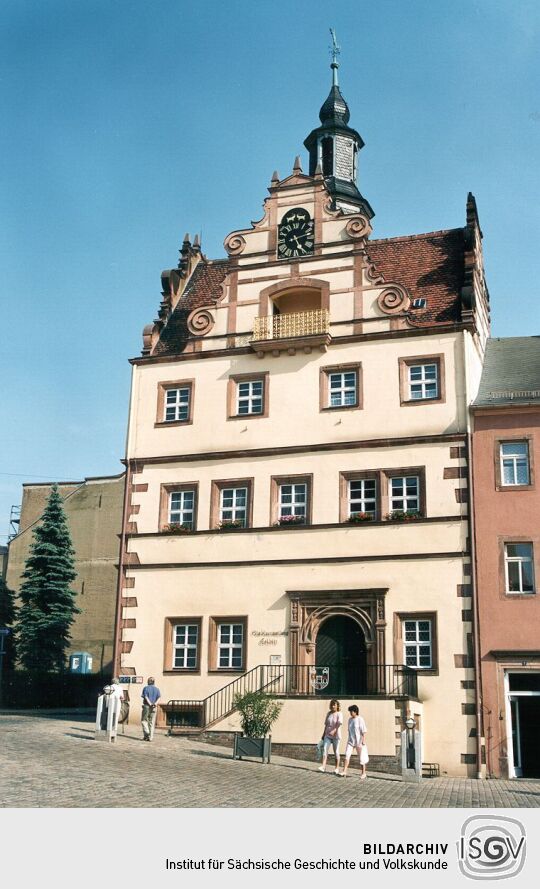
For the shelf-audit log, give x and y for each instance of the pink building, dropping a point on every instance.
(506, 452)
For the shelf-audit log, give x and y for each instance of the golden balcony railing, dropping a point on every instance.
(292, 326)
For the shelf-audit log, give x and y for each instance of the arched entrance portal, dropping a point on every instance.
(341, 646)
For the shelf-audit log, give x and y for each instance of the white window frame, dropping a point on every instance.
(344, 389)
(419, 388)
(250, 398)
(515, 461)
(180, 404)
(237, 512)
(230, 648)
(299, 501)
(400, 503)
(185, 515)
(519, 561)
(183, 650)
(362, 502)
(414, 645)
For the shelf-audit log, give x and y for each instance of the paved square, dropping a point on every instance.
(48, 761)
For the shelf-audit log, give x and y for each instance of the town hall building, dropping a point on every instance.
(297, 470)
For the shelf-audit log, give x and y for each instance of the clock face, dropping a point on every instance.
(295, 234)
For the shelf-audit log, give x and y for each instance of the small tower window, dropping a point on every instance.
(328, 156)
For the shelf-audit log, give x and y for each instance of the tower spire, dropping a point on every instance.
(335, 51)
(334, 146)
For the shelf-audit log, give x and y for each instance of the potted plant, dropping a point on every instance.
(230, 524)
(356, 518)
(258, 712)
(177, 528)
(400, 515)
(292, 520)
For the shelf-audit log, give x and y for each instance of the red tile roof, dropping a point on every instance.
(203, 289)
(430, 266)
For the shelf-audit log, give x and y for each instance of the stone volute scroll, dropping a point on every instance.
(394, 300)
(358, 228)
(200, 321)
(234, 244)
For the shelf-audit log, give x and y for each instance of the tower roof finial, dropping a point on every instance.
(335, 50)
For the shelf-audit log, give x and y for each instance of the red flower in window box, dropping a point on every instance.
(356, 518)
(292, 520)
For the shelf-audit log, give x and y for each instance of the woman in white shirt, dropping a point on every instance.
(356, 740)
(332, 734)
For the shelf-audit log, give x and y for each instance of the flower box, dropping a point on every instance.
(398, 515)
(356, 518)
(286, 520)
(230, 525)
(177, 528)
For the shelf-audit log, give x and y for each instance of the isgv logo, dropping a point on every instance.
(491, 847)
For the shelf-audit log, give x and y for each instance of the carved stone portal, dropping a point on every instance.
(310, 609)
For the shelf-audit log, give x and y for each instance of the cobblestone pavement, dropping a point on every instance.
(54, 761)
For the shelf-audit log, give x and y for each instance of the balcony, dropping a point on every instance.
(292, 332)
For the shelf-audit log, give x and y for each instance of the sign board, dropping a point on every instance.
(4, 631)
(275, 659)
(137, 679)
(124, 679)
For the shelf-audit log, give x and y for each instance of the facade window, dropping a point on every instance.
(340, 387)
(182, 508)
(362, 496)
(514, 456)
(418, 644)
(247, 396)
(250, 397)
(293, 501)
(186, 646)
(230, 645)
(423, 381)
(182, 644)
(178, 507)
(372, 494)
(233, 504)
(175, 402)
(519, 570)
(404, 493)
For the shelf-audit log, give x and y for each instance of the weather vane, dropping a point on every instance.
(335, 50)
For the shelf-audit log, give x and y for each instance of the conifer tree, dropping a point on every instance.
(8, 613)
(47, 603)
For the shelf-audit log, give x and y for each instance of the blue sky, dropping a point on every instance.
(128, 123)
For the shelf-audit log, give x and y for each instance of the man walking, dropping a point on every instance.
(150, 696)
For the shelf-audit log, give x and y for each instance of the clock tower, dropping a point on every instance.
(334, 147)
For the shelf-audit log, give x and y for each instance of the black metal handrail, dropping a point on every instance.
(291, 680)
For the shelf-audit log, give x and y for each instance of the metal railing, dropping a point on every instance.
(291, 680)
(295, 324)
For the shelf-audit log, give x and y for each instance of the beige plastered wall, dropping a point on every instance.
(294, 399)
(259, 592)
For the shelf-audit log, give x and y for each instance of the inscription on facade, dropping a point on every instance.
(344, 158)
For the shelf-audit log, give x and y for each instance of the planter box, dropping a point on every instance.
(259, 747)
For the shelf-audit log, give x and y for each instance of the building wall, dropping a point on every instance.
(94, 513)
(268, 575)
(508, 622)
